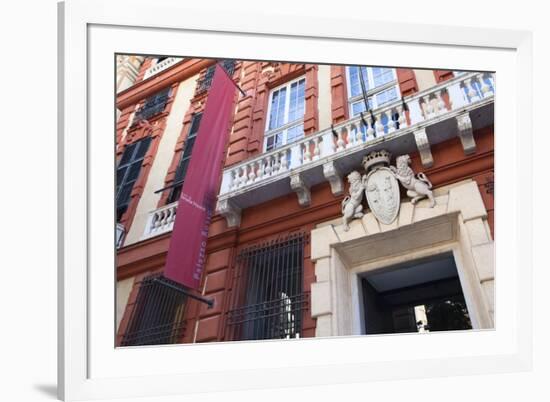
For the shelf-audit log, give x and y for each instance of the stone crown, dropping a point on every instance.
(376, 158)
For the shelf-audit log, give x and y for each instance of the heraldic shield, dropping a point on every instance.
(382, 191)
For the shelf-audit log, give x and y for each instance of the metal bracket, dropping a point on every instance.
(209, 302)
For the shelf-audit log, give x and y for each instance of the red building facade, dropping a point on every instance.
(295, 136)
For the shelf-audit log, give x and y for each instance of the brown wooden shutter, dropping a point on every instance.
(443, 75)
(407, 81)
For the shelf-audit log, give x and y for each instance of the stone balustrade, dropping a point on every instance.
(160, 220)
(163, 65)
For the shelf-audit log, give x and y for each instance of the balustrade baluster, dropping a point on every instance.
(370, 128)
(295, 156)
(391, 123)
(235, 178)
(242, 176)
(231, 179)
(401, 118)
(260, 170)
(349, 140)
(358, 133)
(379, 126)
(251, 173)
(156, 222)
(268, 168)
(327, 144)
(457, 99)
(470, 90)
(428, 107)
(277, 163)
(485, 88)
(440, 103)
(171, 215)
(284, 160)
(316, 148)
(163, 216)
(340, 143)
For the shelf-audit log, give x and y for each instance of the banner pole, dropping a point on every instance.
(209, 302)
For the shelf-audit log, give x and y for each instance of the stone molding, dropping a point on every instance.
(456, 224)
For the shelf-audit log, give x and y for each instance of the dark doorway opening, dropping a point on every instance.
(419, 296)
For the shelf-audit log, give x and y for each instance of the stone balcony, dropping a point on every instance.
(163, 65)
(160, 220)
(453, 108)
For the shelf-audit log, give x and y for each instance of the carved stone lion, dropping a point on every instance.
(351, 205)
(418, 186)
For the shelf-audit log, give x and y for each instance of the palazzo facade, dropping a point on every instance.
(281, 263)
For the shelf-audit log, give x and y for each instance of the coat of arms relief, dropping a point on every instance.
(380, 186)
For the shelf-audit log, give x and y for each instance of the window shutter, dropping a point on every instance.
(195, 123)
(128, 171)
(183, 164)
(407, 81)
(443, 75)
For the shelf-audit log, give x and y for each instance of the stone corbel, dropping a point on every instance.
(230, 212)
(334, 177)
(423, 145)
(465, 133)
(301, 189)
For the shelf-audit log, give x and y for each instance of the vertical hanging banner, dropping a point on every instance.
(187, 250)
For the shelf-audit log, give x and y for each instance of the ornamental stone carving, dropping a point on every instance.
(418, 186)
(381, 187)
(352, 206)
(380, 184)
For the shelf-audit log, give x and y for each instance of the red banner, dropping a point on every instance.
(187, 250)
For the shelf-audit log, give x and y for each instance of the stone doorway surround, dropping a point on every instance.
(457, 225)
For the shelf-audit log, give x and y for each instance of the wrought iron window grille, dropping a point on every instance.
(268, 297)
(158, 314)
(205, 83)
(153, 106)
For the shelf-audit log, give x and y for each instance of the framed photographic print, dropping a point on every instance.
(283, 206)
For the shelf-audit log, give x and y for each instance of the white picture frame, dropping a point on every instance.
(89, 365)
